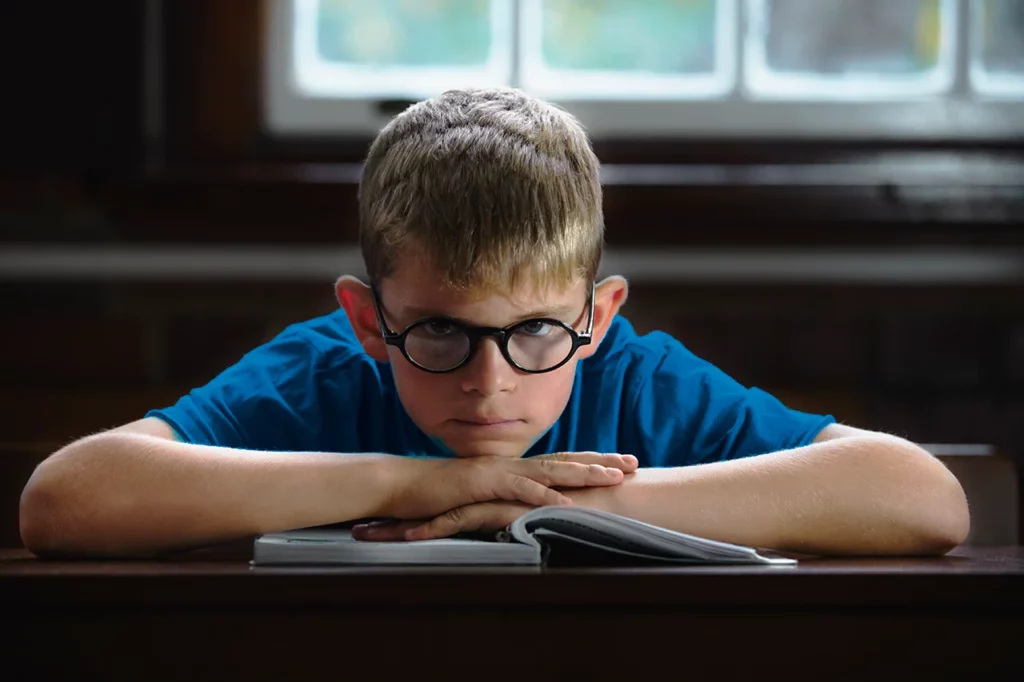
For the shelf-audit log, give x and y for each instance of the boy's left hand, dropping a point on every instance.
(482, 516)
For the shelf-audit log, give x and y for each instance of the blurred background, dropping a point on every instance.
(822, 197)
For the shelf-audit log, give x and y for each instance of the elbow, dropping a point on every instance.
(40, 510)
(952, 518)
(941, 519)
(56, 504)
(912, 506)
(78, 503)
(946, 529)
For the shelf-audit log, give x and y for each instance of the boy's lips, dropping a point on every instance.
(479, 421)
(486, 421)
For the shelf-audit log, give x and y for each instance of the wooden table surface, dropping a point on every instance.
(990, 577)
(209, 615)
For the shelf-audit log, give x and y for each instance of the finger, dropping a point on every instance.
(599, 475)
(451, 522)
(555, 473)
(382, 531)
(473, 517)
(373, 524)
(625, 463)
(516, 488)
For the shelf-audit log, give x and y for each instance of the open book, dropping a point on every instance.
(530, 540)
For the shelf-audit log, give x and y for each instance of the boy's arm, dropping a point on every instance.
(850, 492)
(135, 490)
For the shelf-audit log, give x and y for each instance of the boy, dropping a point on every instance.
(480, 346)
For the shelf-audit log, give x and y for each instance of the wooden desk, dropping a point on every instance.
(209, 616)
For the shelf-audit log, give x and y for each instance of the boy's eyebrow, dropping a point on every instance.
(553, 312)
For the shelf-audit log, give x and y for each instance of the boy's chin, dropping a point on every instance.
(489, 449)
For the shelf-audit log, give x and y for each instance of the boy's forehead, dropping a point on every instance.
(437, 296)
(419, 287)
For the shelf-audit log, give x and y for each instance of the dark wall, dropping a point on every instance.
(72, 88)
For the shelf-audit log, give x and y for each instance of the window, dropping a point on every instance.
(850, 50)
(833, 68)
(610, 49)
(997, 61)
(400, 48)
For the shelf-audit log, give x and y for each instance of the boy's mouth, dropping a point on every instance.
(486, 421)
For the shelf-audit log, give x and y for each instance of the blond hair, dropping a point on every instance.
(490, 185)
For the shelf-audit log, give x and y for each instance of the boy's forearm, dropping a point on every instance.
(123, 494)
(856, 495)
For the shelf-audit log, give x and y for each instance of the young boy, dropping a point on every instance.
(480, 345)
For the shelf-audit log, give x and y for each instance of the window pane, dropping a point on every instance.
(853, 47)
(624, 48)
(659, 36)
(1003, 36)
(404, 32)
(999, 46)
(401, 47)
(866, 36)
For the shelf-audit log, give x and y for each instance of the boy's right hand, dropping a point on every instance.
(428, 487)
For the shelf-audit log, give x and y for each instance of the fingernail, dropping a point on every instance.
(360, 532)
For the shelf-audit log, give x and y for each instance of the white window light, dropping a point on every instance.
(997, 35)
(831, 69)
(713, 79)
(317, 76)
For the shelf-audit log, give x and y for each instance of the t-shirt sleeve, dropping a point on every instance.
(690, 412)
(268, 400)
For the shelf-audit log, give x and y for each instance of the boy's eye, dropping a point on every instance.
(535, 327)
(439, 327)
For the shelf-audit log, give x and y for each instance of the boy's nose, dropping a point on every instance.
(488, 373)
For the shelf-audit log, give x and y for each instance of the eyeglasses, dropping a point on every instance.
(440, 344)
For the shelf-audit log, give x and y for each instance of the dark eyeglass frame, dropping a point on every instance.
(475, 334)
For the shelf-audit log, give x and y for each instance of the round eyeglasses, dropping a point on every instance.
(440, 344)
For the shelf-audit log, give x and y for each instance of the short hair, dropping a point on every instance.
(489, 184)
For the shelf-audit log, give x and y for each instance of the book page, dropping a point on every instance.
(602, 529)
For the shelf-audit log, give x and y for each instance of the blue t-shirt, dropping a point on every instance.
(314, 389)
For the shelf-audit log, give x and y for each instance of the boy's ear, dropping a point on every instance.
(609, 295)
(357, 300)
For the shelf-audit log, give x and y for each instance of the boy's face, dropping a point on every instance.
(487, 406)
